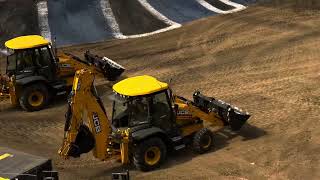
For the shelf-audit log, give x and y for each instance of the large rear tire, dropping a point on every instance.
(149, 154)
(34, 97)
(202, 141)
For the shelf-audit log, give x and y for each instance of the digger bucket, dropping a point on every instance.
(110, 69)
(231, 115)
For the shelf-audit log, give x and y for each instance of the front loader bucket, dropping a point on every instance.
(237, 119)
(110, 69)
(231, 116)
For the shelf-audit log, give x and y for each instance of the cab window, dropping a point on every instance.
(11, 62)
(45, 56)
(120, 114)
(24, 59)
(161, 111)
(139, 111)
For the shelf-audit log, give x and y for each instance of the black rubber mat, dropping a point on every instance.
(15, 164)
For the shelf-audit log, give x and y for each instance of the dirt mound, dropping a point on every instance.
(263, 59)
(133, 18)
(17, 17)
(295, 4)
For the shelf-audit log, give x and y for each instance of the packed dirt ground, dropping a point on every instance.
(264, 59)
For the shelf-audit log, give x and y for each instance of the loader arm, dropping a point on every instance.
(100, 66)
(214, 111)
(78, 137)
(210, 117)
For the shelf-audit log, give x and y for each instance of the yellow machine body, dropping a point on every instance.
(145, 141)
(26, 42)
(54, 71)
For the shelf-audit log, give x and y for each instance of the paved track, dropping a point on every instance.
(75, 22)
(181, 11)
(133, 18)
(245, 2)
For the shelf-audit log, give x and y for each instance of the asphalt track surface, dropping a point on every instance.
(245, 2)
(74, 22)
(133, 18)
(220, 5)
(180, 11)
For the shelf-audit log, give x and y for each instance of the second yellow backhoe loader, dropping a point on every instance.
(148, 120)
(35, 72)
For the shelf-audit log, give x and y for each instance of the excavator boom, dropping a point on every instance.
(101, 66)
(80, 138)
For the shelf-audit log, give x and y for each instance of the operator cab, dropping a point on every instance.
(30, 56)
(142, 101)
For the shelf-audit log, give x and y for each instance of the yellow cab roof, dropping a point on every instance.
(26, 42)
(139, 85)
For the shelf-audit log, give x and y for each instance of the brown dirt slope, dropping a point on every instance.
(17, 17)
(133, 18)
(264, 59)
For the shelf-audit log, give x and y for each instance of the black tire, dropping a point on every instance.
(145, 148)
(27, 99)
(202, 141)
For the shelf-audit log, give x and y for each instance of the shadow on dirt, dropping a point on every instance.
(116, 169)
(5, 106)
(222, 138)
(104, 89)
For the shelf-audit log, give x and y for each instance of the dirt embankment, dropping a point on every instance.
(294, 4)
(133, 18)
(17, 17)
(264, 59)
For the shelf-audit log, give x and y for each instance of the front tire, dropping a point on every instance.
(202, 141)
(34, 97)
(149, 154)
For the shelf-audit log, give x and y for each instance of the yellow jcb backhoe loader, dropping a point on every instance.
(148, 120)
(35, 73)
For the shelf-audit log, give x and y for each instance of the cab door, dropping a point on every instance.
(44, 61)
(162, 113)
